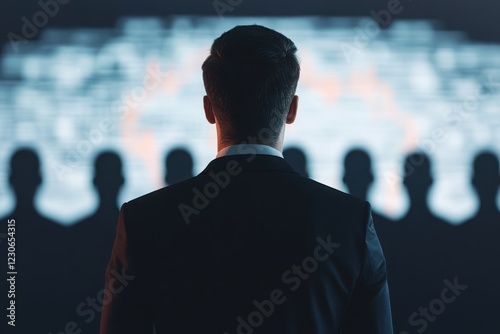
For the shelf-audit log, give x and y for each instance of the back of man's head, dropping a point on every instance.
(250, 78)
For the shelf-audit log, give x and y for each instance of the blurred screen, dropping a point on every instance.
(137, 89)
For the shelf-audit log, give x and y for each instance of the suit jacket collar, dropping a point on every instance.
(249, 162)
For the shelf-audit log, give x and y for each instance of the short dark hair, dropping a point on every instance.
(251, 77)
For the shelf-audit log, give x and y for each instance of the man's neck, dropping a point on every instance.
(249, 149)
(223, 141)
(223, 146)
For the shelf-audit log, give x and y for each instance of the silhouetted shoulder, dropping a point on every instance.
(201, 200)
(338, 195)
(158, 197)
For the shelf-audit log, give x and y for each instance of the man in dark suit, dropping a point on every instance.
(248, 245)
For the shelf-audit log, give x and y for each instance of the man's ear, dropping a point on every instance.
(292, 112)
(209, 110)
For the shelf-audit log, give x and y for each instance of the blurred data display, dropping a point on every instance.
(137, 89)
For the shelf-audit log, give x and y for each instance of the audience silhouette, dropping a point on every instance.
(486, 182)
(25, 179)
(37, 253)
(64, 266)
(418, 181)
(358, 177)
(478, 250)
(421, 255)
(92, 237)
(296, 157)
(178, 166)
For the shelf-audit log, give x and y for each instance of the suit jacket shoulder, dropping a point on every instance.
(247, 232)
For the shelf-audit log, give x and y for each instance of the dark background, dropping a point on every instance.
(478, 18)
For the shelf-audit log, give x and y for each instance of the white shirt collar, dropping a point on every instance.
(249, 149)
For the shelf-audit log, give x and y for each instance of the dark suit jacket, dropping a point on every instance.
(246, 246)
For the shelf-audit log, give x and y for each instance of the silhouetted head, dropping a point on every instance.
(179, 166)
(108, 175)
(297, 159)
(417, 175)
(358, 174)
(25, 175)
(486, 178)
(250, 79)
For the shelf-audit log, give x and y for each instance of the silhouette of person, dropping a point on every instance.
(358, 177)
(358, 174)
(486, 182)
(37, 241)
(423, 244)
(297, 159)
(178, 166)
(93, 236)
(418, 180)
(25, 179)
(476, 260)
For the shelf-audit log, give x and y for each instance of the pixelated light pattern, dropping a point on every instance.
(138, 89)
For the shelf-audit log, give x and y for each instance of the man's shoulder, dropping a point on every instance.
(159, 196)
(301, 185)
(334, 192)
